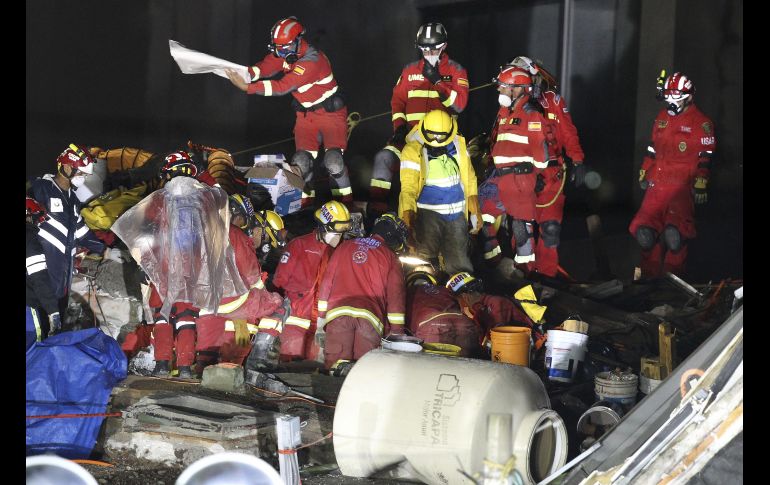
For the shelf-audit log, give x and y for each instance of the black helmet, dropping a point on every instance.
(431, 35)
(392, 229)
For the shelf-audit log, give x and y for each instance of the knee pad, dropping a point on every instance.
(334, 162)
(304, 161)
(673, 238)
(521, 231)
(550, 231)
(646, 237)
(385, 165)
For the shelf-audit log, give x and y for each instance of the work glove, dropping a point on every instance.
(320, 339)
(430, 72)
(242, 337)
(475, 213)
(643, 183)
(539, 183)
(578, 174)
(54, 324)
(701, 196)
(399, 135)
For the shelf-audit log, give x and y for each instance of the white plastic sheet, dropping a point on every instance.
(193, 62)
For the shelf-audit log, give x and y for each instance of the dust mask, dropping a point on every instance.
(432, 60)
(504, 100)
(332, 238)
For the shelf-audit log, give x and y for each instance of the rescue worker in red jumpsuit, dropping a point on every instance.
(562, 139)
(674, 176)
(433, 82)
(321, 111)
(519, 152)
(225, 336)
(362, 294)
(490, 311)
(434, 315)
(297, 277)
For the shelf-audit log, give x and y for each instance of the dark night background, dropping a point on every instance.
(100, 73)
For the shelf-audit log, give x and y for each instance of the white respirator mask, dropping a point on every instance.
(332, 238)
(432, 60)
(78, 180)
(504, 100)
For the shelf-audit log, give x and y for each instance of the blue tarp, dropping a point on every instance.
(70, 373)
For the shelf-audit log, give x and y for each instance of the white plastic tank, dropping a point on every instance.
(424, 417)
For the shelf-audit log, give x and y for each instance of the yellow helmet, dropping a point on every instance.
(420, 277)
(272, 225)
(438, 128)
(333, 216)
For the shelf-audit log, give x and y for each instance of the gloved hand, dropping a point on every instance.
(643, 183)
(320, 339)
(242, 337)
(578, 173)
(539, 183)
(430, 72)
(54, 324)
(399, 135)
(701, 196)
(475, 213)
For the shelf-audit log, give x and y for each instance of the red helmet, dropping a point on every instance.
(36, 211)
(76, 157)
(179, 163)
(512, 76)
(284, 38)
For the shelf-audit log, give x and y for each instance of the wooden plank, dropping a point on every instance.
(666, 347)
(652, 368)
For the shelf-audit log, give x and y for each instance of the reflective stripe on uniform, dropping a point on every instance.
(342, 191)
(415, 116)
(322, 305)
(325, 80)
(308, 196)
(267, 323)
(446, 209)
(58, 226)
(35, 264)
(393, 149)
(450, 181)
(268, 87)
(36, 321)
(513, 137)
(397, 116)
(422, 93)
(445, 314)
(356, 313)
(325, 96)
(233, 305)
(396, 318)
(181, 324)
(501, 160)
(230, 327)
(410, 165)
(540, 164)
(380, 183)
(298, 322)
(491, 254)
(488, 218)
(258, 285)
(451, 99)
(524, 259)
(51, 239)
(81, 232)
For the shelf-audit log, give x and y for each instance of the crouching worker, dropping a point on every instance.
(227, 335)
(41, 300)
(434, 315)
(490, 311)
(297, 276)
(362, 295)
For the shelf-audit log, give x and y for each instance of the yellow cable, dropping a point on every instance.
(561, 187)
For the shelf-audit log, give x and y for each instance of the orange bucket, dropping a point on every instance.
(511, 345)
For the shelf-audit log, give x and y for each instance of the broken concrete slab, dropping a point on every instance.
(171, 428)
(224, 377)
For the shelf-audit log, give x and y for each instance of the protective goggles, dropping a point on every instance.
(425, 49)
(338, 226)
(675, 93)
(285, 50)
(433, 136)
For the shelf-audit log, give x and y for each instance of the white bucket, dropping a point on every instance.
(564, 351)
(621, 392)
(401, 346)
(647, 385)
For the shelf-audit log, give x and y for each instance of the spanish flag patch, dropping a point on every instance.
(299, 70)
(533, 126)
(462, 82)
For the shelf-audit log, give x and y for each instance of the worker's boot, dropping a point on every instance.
(185, 372)
(161, 368)
(264, 352)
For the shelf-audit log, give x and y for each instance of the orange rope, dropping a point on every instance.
(93, 462)
(95, 415)
(292, 397)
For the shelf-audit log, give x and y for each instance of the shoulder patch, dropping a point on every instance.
(56, 205)
(557, 98)
(707, 127)
(299, 70)
(462, 82)
(285, 257)
(534, 126)
(360, 257)
(662, 123)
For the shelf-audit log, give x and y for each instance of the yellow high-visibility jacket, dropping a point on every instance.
(104, 210)
(414, 168)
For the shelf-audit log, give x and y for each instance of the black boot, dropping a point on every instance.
(264, 352)
(161, 368)
(185, 372)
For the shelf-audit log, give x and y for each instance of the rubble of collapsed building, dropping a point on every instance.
(432, 416)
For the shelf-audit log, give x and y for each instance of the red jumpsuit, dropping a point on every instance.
(176, 332)
(362, 297)
(311, 82)
(561, 135)
(433, 314)
(491, 311)
(297, 276)
(216, 333)
(413, 97)
(519, 151)
(680, 150)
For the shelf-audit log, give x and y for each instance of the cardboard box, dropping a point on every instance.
(283, 186)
